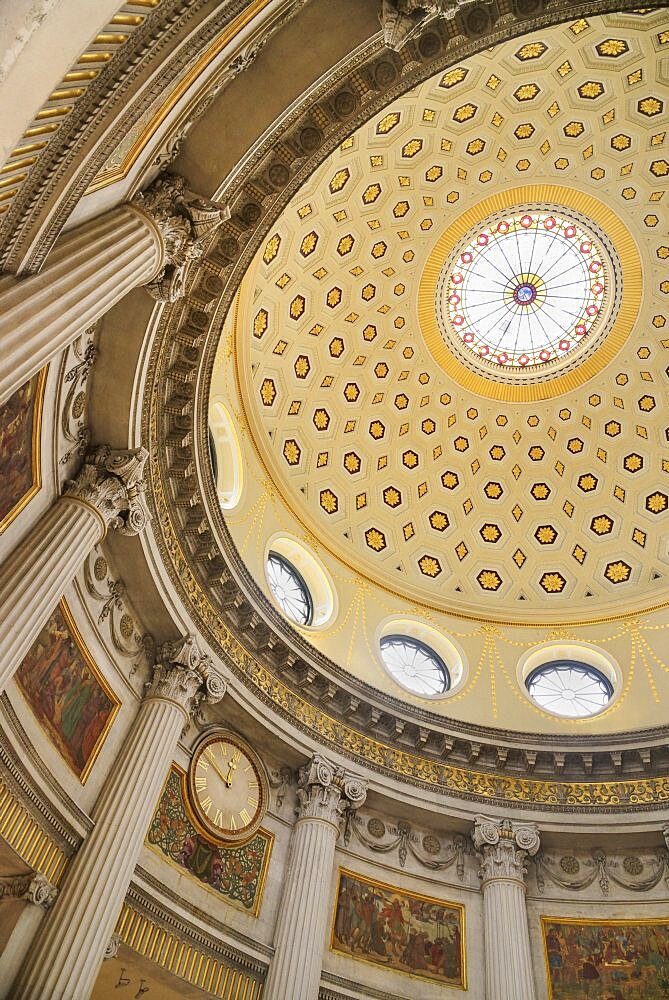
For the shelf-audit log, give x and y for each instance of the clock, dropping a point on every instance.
(227, 788)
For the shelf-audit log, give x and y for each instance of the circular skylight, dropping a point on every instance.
(569, 688)
(289, 589)
(414, 665)
(526, 292)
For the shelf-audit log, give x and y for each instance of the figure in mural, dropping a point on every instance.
(17, 471)
(401, 930)
(65, 695)
(607, 961)
(236, 872)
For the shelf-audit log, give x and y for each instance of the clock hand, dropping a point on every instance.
(232, 766)
(218, 770)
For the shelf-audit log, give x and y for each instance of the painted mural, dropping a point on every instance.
(19, 448)
(236, 873)
(609, 960)
(399, 930)
(66, 693)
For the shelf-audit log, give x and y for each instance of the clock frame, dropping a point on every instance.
(223, 762)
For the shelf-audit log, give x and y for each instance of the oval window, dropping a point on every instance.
(414, 665)
(289, 589)
(569, 688)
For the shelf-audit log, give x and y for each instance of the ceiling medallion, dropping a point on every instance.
(521, 297)
(528, 294)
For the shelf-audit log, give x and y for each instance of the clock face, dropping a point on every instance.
(227, 786)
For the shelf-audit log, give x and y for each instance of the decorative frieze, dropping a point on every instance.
(380, 838)
(633, 872)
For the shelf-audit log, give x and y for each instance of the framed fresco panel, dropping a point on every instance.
(606, 959)
(20, 453)
(400, 930)
(236, 873)
(67, 693)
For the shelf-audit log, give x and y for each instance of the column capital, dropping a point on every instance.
(185, 221)
(33, 887)
(111, 481)
(184, 674)
(325, 791)
(502, 846)
(402, 20)
(40, 892)
(111, 951)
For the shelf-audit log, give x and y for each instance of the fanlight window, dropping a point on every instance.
(289, 589)
(569, 688)
(414, 665)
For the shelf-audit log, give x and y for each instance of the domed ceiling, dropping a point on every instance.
(503, 484)
(420, 474)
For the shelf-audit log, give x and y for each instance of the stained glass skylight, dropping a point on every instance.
(526, 290)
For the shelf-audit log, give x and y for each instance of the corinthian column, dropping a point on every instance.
(108, 492)
(147, 242)
(502, 846)
(64, 963)
(324, 793)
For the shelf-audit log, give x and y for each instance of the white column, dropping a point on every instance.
(502, 846)
(108, 491)
(91, 268)
(39, 895)
(324, 793)
(65, 960)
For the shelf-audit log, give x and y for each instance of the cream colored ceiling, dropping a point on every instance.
(442, 495)
(436, 500)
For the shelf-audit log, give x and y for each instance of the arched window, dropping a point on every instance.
(569, 688)
(414, 665)
(289, 589)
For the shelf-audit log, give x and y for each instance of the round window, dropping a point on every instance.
(528, 294)
(289, 589)
(569, 688)
(414, 665)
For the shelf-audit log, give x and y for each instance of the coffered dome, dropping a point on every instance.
(447, 364)
(450, 350)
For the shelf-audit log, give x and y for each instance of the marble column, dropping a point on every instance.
(502, 846)
(147, 242)
(108, 492)
(324, 793)
(37, 895)
(65, 960)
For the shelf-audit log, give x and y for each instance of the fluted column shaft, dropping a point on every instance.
(65, 961)
(34, 577)
(89, 270)
(503, 846)
(147, 243)
(109, 490)
(508, 969)
(324, 793)
(300, 935)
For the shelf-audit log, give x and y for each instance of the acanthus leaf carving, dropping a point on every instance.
(503, 846)
(184, 674)
(186, 221)
(403, 20)
(111, 481)
(326, 791)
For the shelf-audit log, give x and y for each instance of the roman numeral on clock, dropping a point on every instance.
(245, 817)
(200, 782)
